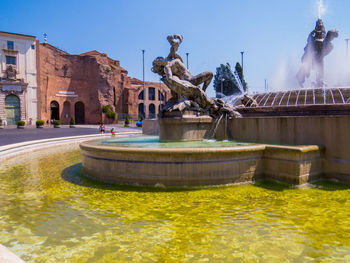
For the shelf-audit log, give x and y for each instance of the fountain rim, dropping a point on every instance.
(87, 146)
(246, 148)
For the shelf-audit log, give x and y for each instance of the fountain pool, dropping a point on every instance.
(51, 211)
(146, 160)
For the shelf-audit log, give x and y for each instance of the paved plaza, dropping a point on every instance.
(11, 134)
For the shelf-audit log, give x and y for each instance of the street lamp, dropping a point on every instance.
(222, 87)
(187, 59)
(242, 52)
(143, 80)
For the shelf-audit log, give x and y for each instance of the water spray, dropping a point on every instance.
(321, 9)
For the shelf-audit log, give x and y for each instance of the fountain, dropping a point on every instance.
(174, 159)
(51, 211)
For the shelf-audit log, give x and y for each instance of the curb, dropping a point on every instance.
(12, 150)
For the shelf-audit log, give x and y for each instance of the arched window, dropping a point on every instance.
(160, 106)
(141, 97)
(152, 111)
(151, 94)
(79, 109)
(55, 110)
(12, 109)
(141, 110)
(160, 96)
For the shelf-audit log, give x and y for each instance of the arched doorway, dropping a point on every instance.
(79, 110)
(55, 110)
(66, 110)
(152, 111)
(141, 110)
(12, 108)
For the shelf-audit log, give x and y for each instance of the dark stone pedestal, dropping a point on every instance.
(184, 126)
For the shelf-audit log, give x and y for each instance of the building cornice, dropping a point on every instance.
(15, 35)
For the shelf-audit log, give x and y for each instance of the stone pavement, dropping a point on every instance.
(10, 134)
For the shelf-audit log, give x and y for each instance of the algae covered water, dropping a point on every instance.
(50, 212)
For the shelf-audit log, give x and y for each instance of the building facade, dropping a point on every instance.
(79, 86)
(146, 102)
(18, 78)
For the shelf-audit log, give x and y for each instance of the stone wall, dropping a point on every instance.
(90, 78)
(332, 132)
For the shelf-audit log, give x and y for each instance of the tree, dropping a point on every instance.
(239, 70)
(225, 83)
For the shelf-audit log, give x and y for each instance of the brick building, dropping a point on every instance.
(79, 85)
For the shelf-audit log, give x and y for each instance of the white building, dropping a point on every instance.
(18, 78)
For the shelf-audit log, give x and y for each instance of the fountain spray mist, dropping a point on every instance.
(321, 10)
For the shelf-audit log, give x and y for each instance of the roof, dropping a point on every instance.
(91, 53)
(16, 34)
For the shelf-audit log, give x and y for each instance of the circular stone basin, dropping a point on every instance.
(147, 161)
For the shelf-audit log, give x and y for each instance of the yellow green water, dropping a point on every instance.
(49, 212)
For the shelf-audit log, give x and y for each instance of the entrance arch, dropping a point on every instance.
(152, 111)
(55, 110)
(79, 110)
(12, 109)
(141, 110)
(66, 110)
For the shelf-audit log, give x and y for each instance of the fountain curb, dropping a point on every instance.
(7, 256)
(12, 150)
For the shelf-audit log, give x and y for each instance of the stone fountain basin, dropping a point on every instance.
(200, 166)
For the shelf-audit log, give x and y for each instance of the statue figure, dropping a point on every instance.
(11, 72)
(318, 46)
(249, 101)
(185, 88)
(174, 41)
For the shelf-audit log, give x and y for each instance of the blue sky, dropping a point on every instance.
(214, 31)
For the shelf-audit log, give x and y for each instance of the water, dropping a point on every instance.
(153, 142)
(50, 212)
(321, 9)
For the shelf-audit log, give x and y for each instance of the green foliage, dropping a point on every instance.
(21, 123)
(0, 121)
(39, 123)
(107, 108)
(108, 69)
(142, 118)
(72, 121)
(224, 81)
(239, 70)
(57, 122)
(127, 120)
(111, 115)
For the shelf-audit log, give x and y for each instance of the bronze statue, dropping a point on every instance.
(318, 46)
(185, 88)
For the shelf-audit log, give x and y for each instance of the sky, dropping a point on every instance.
(272, 33)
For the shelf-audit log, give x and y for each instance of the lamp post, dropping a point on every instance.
(222, 87)
(242, 52)
(143, 80)
(187, 59)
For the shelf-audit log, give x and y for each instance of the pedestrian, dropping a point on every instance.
(113, 132)
(4, 122)
(102, 128)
